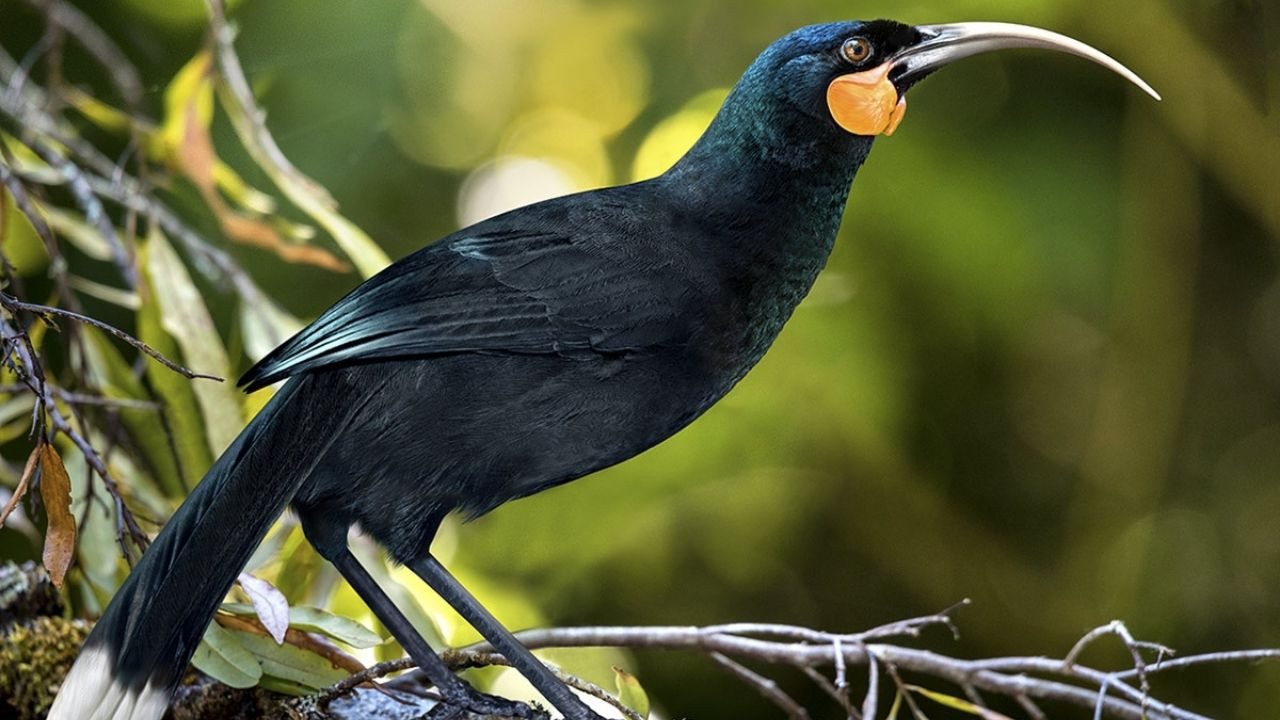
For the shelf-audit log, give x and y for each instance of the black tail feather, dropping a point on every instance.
(140, 648)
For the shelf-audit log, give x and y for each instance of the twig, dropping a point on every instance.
(872, 700)
(72, 398)
(904, 692)
(250, 125)
(1026, 680)
(297, 638)
(90, 205)
(1217, 658)
(1120, 630)
(130, 193)
(14, 304)
(828, 687)
(100, 45)
(369, 674)
(767, 688)
(22, 360)
(913, 626)
(1032, 710)
(1003, 676)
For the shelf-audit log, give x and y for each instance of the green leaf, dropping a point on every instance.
(222, 657)
(288, 662)
(22, 246)
(182, 411)
(184, 317)
(339, 628)
(84, 236)
(240, 192)
(113, 376)
(320, 621)
(264, 325)
(126, 299)
(285, 687)
(630, 693)
(97, 554)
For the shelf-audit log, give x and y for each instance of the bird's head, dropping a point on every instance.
(825, 83)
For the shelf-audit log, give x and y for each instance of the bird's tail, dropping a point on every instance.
(139, 649)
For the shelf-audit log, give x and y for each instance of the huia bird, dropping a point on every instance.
(526, 351)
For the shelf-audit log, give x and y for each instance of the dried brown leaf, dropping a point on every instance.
(198, 160)
(60, 538)
(248, 231)
(196, 155)
(21, 490)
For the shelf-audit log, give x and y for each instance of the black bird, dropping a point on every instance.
(527, 351)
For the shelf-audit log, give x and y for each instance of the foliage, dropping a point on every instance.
(1041, 370)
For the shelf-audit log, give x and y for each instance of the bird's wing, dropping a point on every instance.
(496, 290)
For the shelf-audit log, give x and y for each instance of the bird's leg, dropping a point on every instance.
(457, 695)
(538, 675)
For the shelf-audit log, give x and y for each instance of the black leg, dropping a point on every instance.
(456, 693)
(541, 677)
(396, 622)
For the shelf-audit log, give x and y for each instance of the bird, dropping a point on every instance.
(526, 351)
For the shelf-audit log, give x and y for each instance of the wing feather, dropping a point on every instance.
(503, 290)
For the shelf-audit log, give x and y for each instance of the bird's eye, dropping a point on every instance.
(856, 50)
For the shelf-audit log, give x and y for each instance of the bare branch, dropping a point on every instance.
(872, 700)
(13, 304)
(108, 180)
(90, 205)
(22, 360)
(767, 688)
(250, 124)
(100, 45)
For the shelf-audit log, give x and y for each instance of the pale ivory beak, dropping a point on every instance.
(944, 44)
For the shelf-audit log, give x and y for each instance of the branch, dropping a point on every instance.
(767, 688)
(1024, 680)
(22, 360)
(250, 124)
(13, 304)
(100, 45)
(110, 181)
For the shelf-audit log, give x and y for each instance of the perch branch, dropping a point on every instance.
(1025, 680)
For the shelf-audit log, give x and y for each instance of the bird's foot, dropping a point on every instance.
(466, 702)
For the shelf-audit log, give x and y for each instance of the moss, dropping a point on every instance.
(34, 657)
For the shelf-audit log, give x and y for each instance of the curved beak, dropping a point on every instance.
(944, 44)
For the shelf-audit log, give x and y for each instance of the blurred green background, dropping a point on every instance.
(1042, 370)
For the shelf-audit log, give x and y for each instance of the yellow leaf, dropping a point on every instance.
(956, 703)
(55, 490)
(630, 693)
(186, 143)
(97, 112)
(191, 90)
(241, 192)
